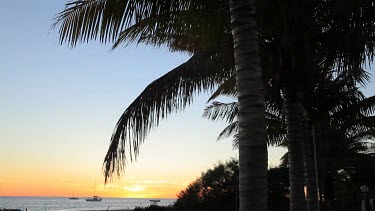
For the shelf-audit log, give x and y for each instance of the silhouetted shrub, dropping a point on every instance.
(217, 190)
(155, 208)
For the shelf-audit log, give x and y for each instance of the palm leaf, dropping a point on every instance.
(83, 20)
(170, 93)
(228, 88)
(230, 130)
(152, 22)
(228, 112)
(185, 32)
(218, 111)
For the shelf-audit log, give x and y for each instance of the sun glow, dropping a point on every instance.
(134, 188)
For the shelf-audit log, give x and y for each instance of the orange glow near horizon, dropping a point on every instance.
(130, 189)
(126, 191)
(57, 184)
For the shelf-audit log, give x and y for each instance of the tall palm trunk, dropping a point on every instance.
(252, 127)
(295, 149)
(310, 176)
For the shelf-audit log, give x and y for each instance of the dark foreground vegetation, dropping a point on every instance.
(217, 189)
(155, 208)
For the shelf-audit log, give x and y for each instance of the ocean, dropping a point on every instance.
(64, 204)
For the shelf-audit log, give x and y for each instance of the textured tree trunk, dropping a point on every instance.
(252, 127)
(310, 176)
(295, 149)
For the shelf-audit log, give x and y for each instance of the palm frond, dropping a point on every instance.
(235, 142)
(228, 112)
(170, 93)
(348, 33)
(185, 32)
(153, 22)
(83, 20)
(364, 135)
(218, 111)
(354, 110)
(228, 88)
(284, 160)
(276, 134)
(230, 130)
(350, 78)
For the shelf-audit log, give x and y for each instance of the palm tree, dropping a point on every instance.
(342, 106)
(347, 118)
(342, 119)
(157, 23)
(153, 23)
(84, 20)
(252, 128)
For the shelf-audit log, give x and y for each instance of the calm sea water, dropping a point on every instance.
(64, 204)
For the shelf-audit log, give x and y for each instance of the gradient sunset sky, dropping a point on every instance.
(59, 105)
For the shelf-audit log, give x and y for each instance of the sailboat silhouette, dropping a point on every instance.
(94, 198)
(73, 198)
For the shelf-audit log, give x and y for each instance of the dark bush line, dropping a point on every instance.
(155, 208)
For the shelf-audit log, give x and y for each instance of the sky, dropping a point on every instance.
(59, 106)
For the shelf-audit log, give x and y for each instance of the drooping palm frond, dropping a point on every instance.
(366, 135)
(83, 20)
(228, 112)
(347, 32)
(192, 30)
(358, 110)
(276, 133)
(364, 107)
(340, 96)
(284, 160)
(170, 93)
(153, 22)
(218, 111)
(230, 131)
(345, 81)
(228, 88)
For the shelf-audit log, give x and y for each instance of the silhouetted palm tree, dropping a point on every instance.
(84, 20)
(156, 23)
(249, 84)
(347, 122)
